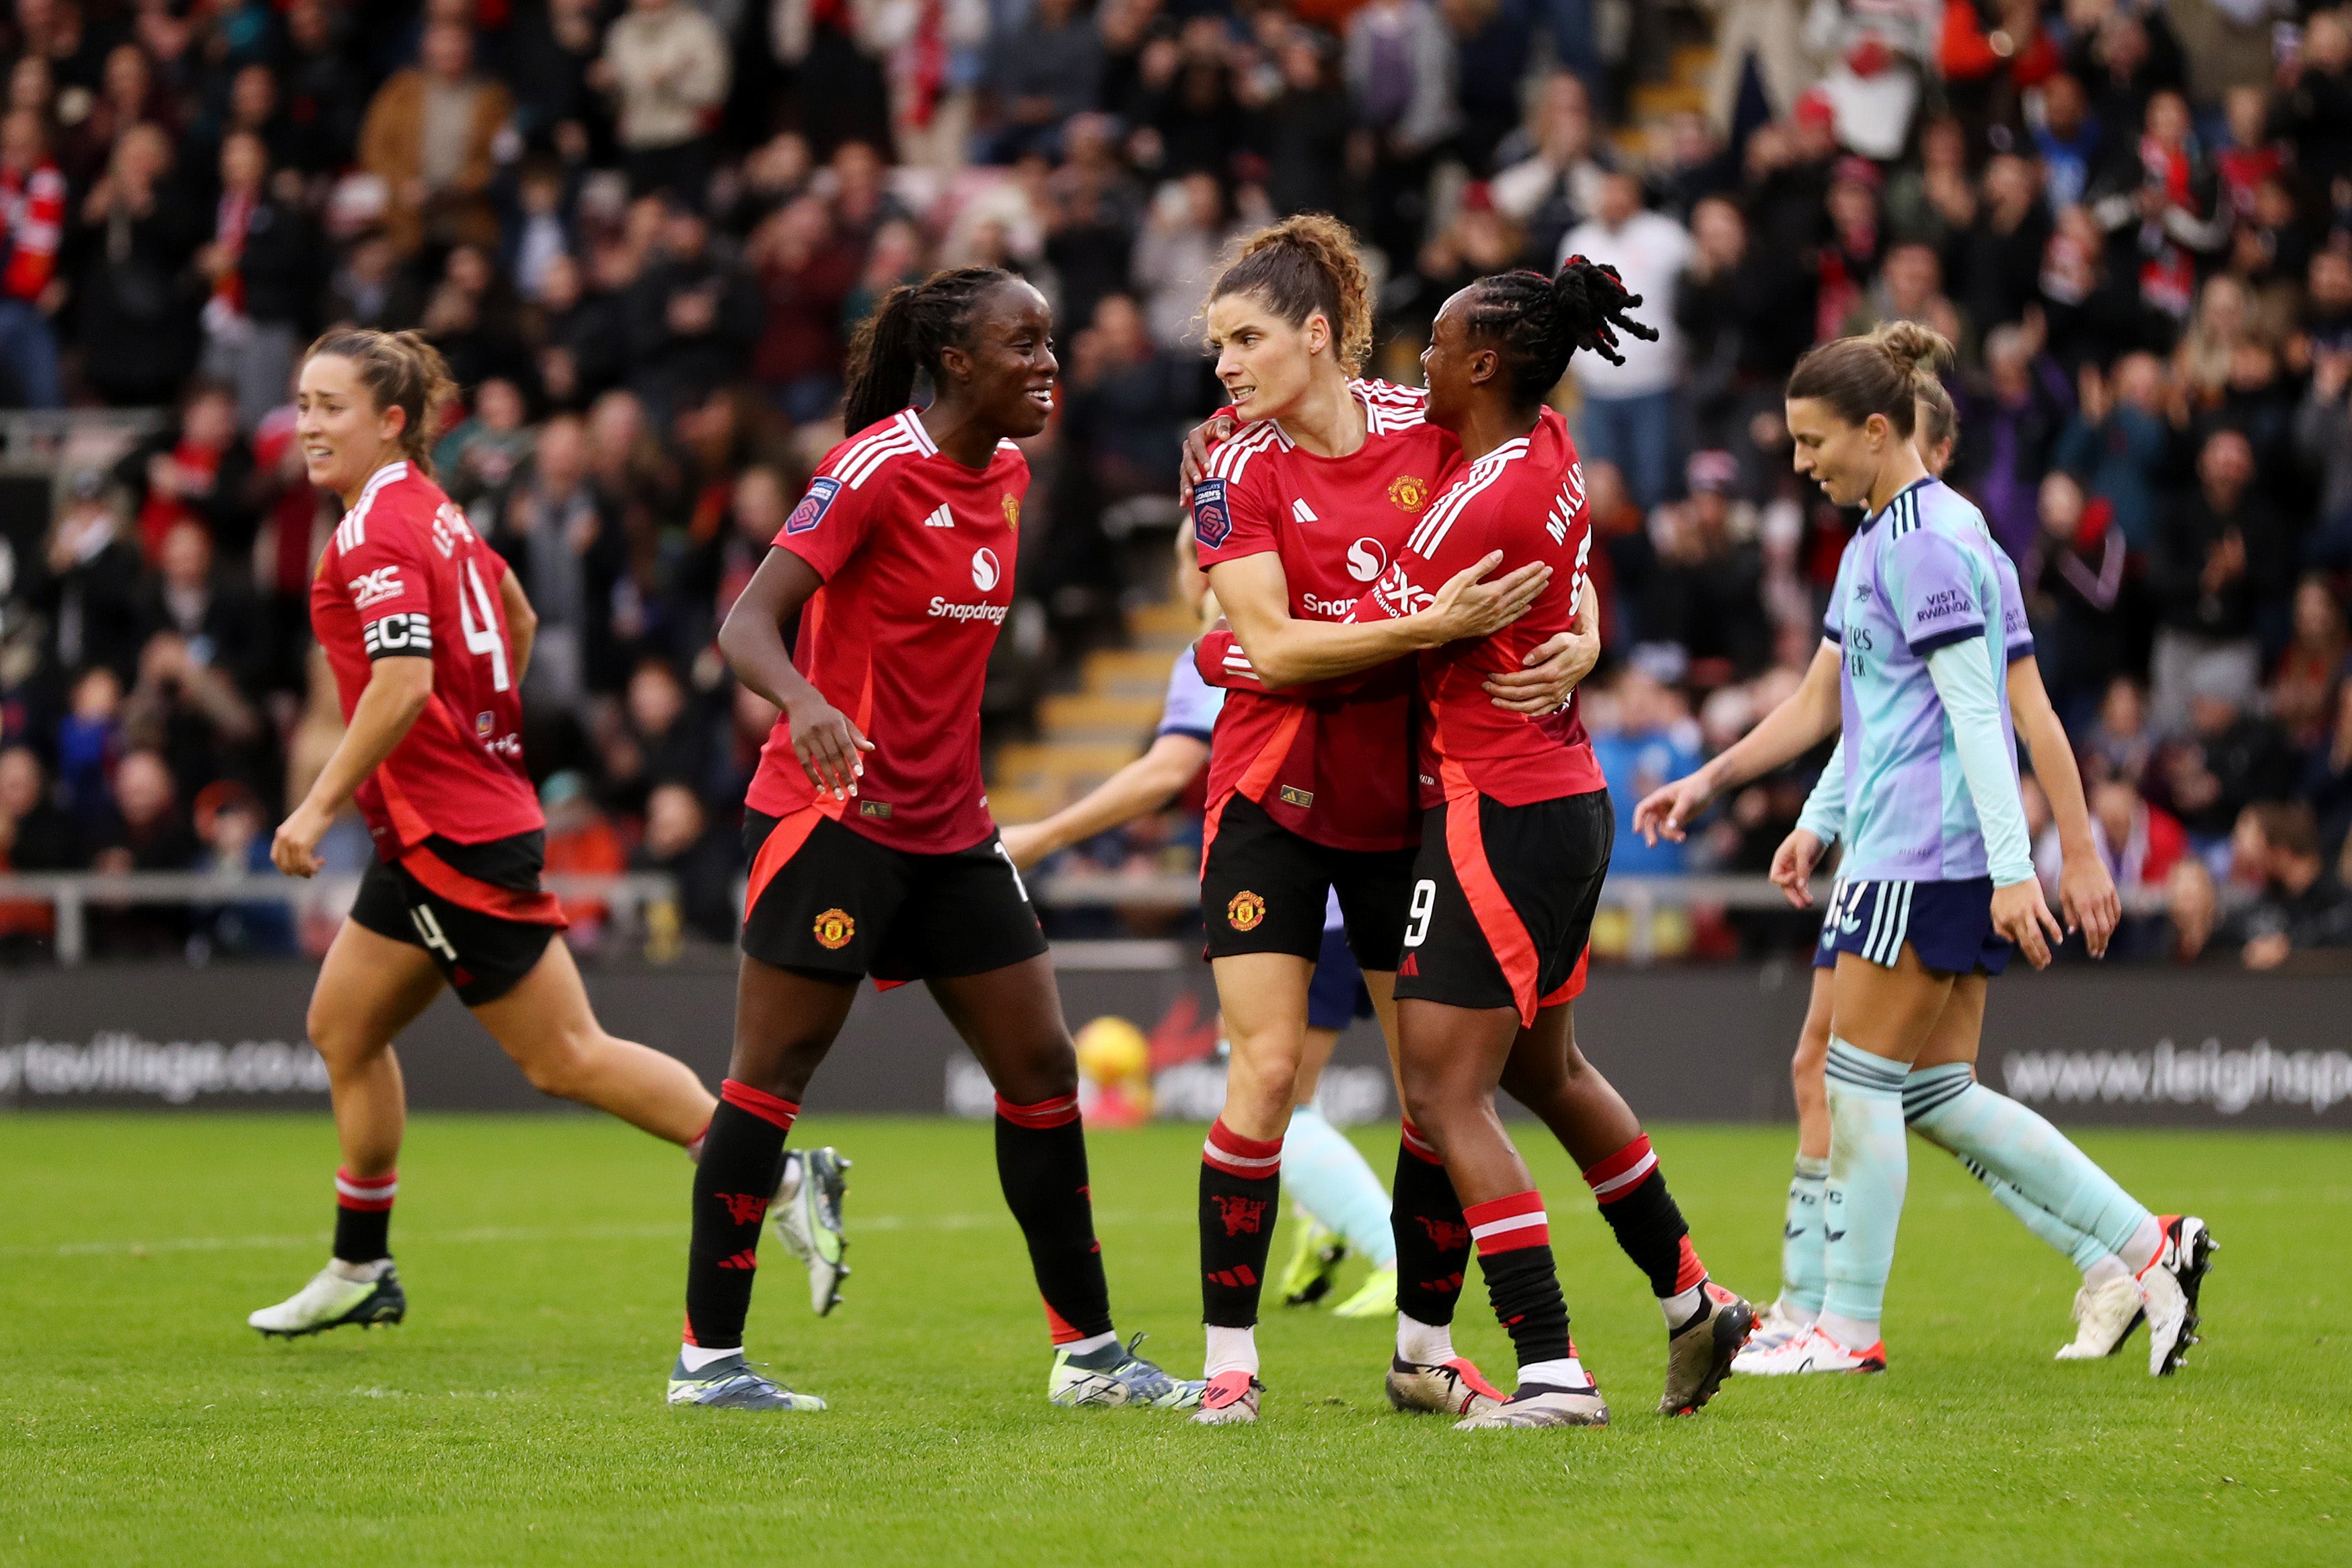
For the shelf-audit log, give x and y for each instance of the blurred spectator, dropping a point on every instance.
(1646, 740)
(1630, 417)
(481, 454)
(2225, 558)
(580, 842)
(234, 836)
(147, 831)
(2304, 905)
(2118, 443)
(91, 594)
(2074, 582)
(2011, 431)
(428, 138)
(680, 841)
(35, 836)
(666, 64)
(1401, 71)
(693, 317)
(1176, 257)
(2229, 760)
(138, 297)
(263, 263)
(804, 273)
(1549, 174)
(32, 218)
(560, 536)
(655, 741)
(2302, 687)
(1039, 74)
(201, 472)
(1706, 596)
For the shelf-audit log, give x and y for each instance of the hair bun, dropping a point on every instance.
(1919, 350)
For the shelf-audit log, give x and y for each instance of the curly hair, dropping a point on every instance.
(1538, 322)
(915, 323)
(1885, 371)
(402, 371)
(1302, 265)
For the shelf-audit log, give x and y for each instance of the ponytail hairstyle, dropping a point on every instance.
(1885, 371)
(1537, 322)
(402, 371)
(1301, 265)
(914, 325)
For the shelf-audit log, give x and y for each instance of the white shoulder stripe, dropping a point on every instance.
(1228, 461)
(352, 532)
(912, 422)
(862, 466)
(1440, 517)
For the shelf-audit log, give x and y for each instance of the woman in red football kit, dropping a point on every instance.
(872, 848)
(1309, 791)
(428, 635)
(1513, 850)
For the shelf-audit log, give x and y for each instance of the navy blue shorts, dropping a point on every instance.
(1947, 924)
(1336, 996)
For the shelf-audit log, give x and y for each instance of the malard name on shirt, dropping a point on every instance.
(992, 614)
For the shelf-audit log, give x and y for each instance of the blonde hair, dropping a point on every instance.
(1885, 371)
(1301, 265)
(402, 371)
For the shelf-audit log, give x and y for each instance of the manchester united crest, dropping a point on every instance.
(834, 928)
(1409, 491)
(1245, 911)
(1011, 505)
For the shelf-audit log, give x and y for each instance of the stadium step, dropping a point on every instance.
(1096, 715)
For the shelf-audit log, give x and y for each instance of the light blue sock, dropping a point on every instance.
(1801, 1258)
(1953, 1111)
(1869, 1167)
(2081, 1247)
(1326, 1177)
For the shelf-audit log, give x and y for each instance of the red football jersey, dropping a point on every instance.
(1525, 498)
(405, 575)
(917, 553)
(1336, 771)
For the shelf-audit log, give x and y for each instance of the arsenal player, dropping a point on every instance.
(428, 635)
(1308, 791)
(872, 848)
(1513, 850)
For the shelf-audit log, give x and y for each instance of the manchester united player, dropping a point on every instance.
(1307, 793)
(872, 848)
(1513, 850)
(428, 635)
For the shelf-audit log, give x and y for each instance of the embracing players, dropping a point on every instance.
(428, 635)
(872, 848)
(1492, 943)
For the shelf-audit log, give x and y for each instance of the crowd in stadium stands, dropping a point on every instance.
(643, 231)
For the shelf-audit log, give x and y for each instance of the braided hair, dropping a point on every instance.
(1537, 322)
(915, 324)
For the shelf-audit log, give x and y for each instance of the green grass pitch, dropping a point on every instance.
(516, 1418)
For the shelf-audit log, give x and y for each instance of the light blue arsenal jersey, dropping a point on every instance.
(1921, 574)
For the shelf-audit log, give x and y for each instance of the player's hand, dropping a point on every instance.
(295, 849)
(1197, 443)
(1552, 673)
(1466, 607)
(1792, 866)
(828, 745)
(2086, 896)
(1025, 843)
(1670, 809)
(2020, 913)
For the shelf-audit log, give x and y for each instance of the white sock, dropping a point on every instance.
(359, 1273)
(1092, 1342)
(1230, 1350)
(1430, 1345)
(1803, 1317)
(1566, 1373)
(695, 1357)
(1853, 1333)
(1682, 1305)
(2146, 1243)
(2108, 1266)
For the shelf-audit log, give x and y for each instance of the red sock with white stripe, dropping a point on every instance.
(1631, 1191)
(1041, 1161)
(1241, 1181)
(363, 1222)
(1513, 1236)
(734, 1182)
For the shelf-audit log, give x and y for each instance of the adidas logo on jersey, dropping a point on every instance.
(1303, 512)
(940, 519)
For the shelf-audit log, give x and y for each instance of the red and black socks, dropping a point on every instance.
(1633, 1199)
(1513, 1240)
(1041, 1160)
(363, 1217)
(734, 1182)
(1241, 1180)
(1432, 1240)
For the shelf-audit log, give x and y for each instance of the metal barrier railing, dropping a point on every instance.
(72, 895)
